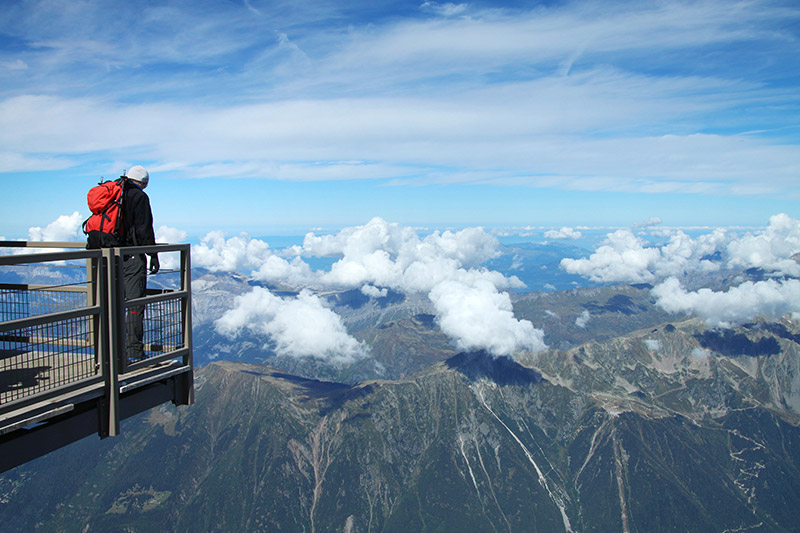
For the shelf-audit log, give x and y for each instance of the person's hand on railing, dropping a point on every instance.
(154, 265)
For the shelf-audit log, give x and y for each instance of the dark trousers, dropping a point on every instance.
(135, 280)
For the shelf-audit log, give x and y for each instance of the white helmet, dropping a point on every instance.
(138, 173)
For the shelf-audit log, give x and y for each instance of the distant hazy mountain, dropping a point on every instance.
(632, 421)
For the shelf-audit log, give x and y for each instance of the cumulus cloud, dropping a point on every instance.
(389, 255)
(168, 235)
(626, 257)
(380, 256)
(63, 229)
(480, 317)
(469, 305)
(652, 221)
(771, 249)
(652, 344)
(583, 319)
(374, 258)
(700, 353)
(563, 233)
(374, 292)
(217, 253)
(771, 299)
(298, 327)
(622, 257)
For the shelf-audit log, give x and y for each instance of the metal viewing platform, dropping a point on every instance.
(64, 373)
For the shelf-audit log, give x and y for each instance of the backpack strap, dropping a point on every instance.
(125, 184)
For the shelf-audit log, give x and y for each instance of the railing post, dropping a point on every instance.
(115, 314)
(187, 394)
(94, 296)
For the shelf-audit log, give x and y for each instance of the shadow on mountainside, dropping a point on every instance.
(732, 344)
(502, 370)
(335, 394)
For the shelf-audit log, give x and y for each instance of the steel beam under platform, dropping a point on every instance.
(77, 415)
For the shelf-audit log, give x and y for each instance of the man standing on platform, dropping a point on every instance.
(138, 223)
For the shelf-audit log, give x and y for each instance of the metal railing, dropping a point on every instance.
(63, 331)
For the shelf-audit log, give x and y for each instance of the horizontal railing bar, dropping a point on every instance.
(72, 287)
(156, 298)
(156, 248)
(42, 244)
(21, 259)
(153, 378)
(38, 339)
(164, 348)
(49, 318)
(144, 363)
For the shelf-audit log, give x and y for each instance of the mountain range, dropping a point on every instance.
(632, 420)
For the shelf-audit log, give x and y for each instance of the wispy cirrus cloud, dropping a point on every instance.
(569, 96)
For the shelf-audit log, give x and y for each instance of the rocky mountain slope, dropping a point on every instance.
(671, 426)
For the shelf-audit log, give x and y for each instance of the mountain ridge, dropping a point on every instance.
(472, 442)
(633, 420)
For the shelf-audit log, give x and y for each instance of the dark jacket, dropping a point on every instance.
(137, 217)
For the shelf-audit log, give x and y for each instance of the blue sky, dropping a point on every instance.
(284, 116)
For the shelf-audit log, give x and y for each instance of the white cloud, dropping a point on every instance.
(392, 256)
(700, 353)
(563, 233)
(235, 254)
(374, 292)
(480, 317)
(416, 94)
(386, 255)
(374, 257)
(583, 319)
(652, 344)
(299, 327)
(66, 228)
(626, 257)
(771, 249)
(771, 299)
(652, 221)
(623, 257)
(379, 256)
(168, 235)
(447, 9)
(295, 273)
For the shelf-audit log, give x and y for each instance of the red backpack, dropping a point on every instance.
(104, 228)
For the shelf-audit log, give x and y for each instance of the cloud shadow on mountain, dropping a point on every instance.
(732, 344)
(502, 370)
(332, 393)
